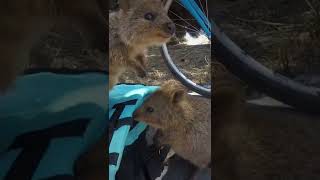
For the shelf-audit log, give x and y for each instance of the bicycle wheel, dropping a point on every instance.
(196, 55)
(280, 87)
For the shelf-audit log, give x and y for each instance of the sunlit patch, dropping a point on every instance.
(201, 39)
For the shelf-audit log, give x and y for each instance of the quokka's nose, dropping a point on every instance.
(170, 28)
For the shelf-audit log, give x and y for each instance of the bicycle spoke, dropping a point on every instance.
(177, 1)
(206, 11)
(184, 20)
(197, 31)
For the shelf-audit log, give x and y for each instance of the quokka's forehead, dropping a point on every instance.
(154, 7)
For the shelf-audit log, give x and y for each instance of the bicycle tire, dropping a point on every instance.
(238, 62)
(205, 92)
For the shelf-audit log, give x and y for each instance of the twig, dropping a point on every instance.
(265, 22)
(311, 6)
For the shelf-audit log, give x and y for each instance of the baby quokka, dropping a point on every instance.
(138, 24)
(184, 121)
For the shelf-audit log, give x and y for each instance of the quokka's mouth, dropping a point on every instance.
(165, 35)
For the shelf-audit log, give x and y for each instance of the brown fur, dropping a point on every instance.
(261, 142)
(184, 120)
(23, 22)
(130, 34)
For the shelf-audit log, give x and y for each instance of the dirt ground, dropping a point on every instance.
(193, 61)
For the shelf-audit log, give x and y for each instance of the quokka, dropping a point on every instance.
(138, 24)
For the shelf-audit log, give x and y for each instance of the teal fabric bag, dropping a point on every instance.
(124, 99)
(47, 121)
(58, 117)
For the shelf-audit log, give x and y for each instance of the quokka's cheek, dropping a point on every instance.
(156, 123)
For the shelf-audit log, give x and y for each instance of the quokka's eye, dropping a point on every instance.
(150, 109)
(149, 16)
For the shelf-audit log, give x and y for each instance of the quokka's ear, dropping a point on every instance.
(165, 5)
(177, 96)
(174, 90)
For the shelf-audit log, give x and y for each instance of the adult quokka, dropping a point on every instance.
(138, 24)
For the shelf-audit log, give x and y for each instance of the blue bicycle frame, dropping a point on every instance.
(199, 15)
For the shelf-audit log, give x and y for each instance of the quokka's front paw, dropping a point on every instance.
(138, 68)
(141, 59)
(141, 72)
(141, 64)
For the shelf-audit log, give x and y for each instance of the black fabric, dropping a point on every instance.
(133, 164)
(180, 169)
(122, 122)
(164, 152)
(142, 162)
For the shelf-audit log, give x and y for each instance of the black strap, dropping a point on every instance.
(115, 122)
(123, 122)
(164, 152)
(134, 124)
(113, 158)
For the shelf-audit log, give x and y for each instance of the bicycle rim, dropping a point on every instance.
(167, 54)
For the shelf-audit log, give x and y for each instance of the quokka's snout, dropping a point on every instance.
(169, 28)
(166, 26)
